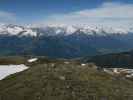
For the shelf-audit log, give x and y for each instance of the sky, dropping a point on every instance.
(110, 13)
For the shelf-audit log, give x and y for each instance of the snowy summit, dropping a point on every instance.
(53, 30)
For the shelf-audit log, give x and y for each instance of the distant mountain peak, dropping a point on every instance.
(52, 30)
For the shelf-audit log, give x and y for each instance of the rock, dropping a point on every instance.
(62, 78)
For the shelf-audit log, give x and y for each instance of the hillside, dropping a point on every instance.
(64, 80)
(120, 60)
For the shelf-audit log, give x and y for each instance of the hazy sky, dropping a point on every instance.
(70, 12)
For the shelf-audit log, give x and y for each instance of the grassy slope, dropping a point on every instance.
(12, 60)
(63, 82)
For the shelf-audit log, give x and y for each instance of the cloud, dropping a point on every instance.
(111, 14)
(7, 17)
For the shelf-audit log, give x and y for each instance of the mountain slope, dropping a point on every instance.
(63, 42)
(120, 60)
(57, 80)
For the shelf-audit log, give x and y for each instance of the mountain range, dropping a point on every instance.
(63, 41)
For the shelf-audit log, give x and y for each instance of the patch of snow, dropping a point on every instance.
(58, 31)
(127, 72)
(30, 32)
(32, 60)
(70, 30)
(6, 70)
(83, 64)
(15, 30)
(115, 70)
(129, 76)
(107, 71)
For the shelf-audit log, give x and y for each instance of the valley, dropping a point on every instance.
(63, 41)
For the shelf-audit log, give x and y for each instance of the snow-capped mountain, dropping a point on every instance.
(16, 30)
(60, 30)
(63, 41)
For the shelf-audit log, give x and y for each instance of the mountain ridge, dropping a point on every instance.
(56, 43)
(11, 29)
